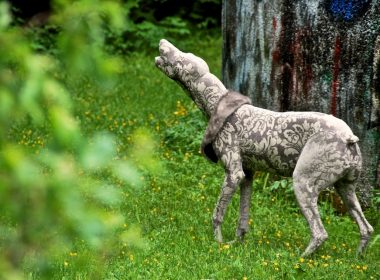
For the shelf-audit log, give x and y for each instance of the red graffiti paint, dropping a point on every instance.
(274, 23)
(335, 81)
(306, 74)
(302, 70)
(276, 56)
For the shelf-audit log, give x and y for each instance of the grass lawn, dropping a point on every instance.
(175, 205)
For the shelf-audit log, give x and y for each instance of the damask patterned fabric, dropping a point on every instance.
(316, 149)
(227, 105)
(272, 141)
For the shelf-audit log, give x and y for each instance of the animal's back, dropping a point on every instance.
(273, 141)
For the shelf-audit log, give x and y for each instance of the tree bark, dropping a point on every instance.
(314, 55)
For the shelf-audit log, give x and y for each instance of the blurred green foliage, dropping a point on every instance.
(144, 23)
(152, 20)
(199, 13)
(67, 189)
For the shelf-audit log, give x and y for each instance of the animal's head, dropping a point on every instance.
(179, 66)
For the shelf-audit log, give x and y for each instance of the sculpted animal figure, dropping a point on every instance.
(317, 150)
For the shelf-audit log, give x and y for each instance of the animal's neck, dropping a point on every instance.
(206, 92)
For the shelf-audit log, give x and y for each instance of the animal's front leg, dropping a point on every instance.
(245, 202)
(231, 181)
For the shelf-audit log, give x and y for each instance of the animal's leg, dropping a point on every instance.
(232, 179)
(319, 166)
(308, 204)
(245, 202)
(348, 195)
(307, 198)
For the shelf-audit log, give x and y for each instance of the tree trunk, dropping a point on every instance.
(314, 55)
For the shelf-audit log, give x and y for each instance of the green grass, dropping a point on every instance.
(175, 206)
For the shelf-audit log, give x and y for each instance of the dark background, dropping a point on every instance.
(205, 12)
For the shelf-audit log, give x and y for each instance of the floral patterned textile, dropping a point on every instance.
(316, 149)
(226, 106)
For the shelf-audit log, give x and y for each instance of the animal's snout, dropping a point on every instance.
(163, 41)
(166, 47)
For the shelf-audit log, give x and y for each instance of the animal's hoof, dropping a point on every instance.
(218, 234)
(229, 244)
(360, 252)
(314, 244)
(305, 254)
(240, 234)
(236, 241)
(232, 242)
(241, 239)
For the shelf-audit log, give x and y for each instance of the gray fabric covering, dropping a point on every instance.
(227, 105)
(316, 149)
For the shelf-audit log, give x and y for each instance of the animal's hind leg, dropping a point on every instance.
(318, 167)
(347, 192)
(307, 197)
(245, 202)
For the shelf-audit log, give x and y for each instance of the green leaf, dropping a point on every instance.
(56, 94)
(25, 171)
(65, 128)
(275, 186)
(6, 103)
(284, 183)
(5, 15)
(108, 195)
(127, 172)
(132, 237)
(116, 15)
(99, 153)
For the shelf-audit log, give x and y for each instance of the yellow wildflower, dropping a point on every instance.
(226, 246)
(181, 110)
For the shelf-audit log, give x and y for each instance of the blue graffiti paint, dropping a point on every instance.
(347, 10)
